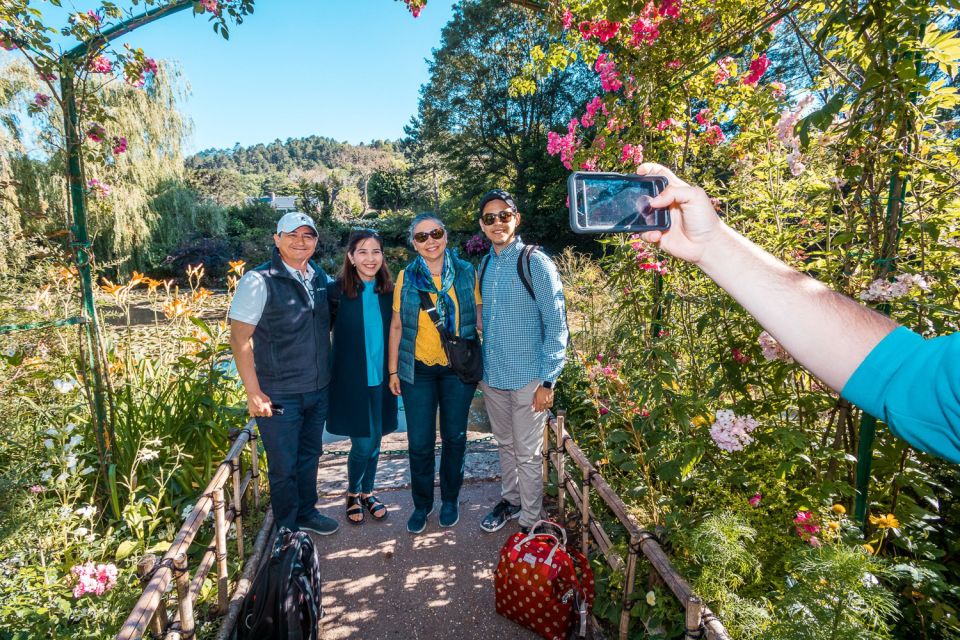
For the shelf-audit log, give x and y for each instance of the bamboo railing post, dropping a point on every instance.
(628, 585)
(220, 535)
(694, 613)
(237, 466)
(585, 510)
(187, 626)
(255, 468)
(159, 622)
(561, 472)
(546, 451)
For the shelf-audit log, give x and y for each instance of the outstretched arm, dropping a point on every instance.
(826, 332)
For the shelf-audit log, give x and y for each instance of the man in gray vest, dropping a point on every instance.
(280, 334)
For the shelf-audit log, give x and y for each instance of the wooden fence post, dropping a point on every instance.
(159, 621)
(220, 542)
(585, 510)
(561, 472)
(182, 573)
(628, 584)
(238, 501)
(255, 468)
(694, 613)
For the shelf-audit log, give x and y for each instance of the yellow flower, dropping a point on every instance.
(888, 521)
(834, 526)
(869, 549)
(839, 509)
(702, 421)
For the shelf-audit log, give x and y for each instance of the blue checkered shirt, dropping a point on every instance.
(523, 339)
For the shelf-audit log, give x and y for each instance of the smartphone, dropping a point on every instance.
(276, 409)
(615, 203)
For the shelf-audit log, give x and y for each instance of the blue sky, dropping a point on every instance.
(347, 69)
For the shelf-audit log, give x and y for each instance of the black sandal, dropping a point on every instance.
(354, 509)
(375, 507)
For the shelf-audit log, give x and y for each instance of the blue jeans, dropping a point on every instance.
(294, 442)
(365, 452)
(436, 387)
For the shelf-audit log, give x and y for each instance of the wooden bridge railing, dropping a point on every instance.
(700, 620)
(150, 612)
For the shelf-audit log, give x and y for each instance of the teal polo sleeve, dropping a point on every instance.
(913, 385)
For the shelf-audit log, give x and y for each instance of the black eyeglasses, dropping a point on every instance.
(502, 216)
(436, 234)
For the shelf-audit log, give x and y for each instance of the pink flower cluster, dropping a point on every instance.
(724, 70)
(881, 290)
(95, 579)
(119, 145)
(567, 19)
(758, 67)
(41, 100)
(645, 29)
(100, 64)
(590, 164)
(149, 67)
(646, 260)
(772, 349)
(602, 30)
(96, 132)
(213, 6)
(739, 356)
(35, 489)
(609, 77)
(714, 135)
(704, 116)
(788, 121)
(666, 124)
(807, 527)
(670, 8)
(731, 432)
(674, 64)
(755, 500)
(777, 89)
(594, 106)
(98, 189)
(632, 154)
(565, 145)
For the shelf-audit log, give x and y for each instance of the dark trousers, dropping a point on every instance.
(436, 387)
(365, 451)
(294, 442)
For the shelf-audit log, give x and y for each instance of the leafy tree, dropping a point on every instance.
(483, 136)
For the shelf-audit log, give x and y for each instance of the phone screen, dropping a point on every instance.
(616, 202)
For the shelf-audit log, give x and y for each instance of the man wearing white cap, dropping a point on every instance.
(280, 334)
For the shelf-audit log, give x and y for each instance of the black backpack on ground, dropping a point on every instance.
(284, 601)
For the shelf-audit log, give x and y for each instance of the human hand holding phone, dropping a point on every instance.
(694, 222)
(259, 404)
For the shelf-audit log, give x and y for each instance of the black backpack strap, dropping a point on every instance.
(334, 292)
(482, 270)
(523, 268)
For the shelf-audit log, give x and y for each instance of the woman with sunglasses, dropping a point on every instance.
(361, 405)
(419, 370)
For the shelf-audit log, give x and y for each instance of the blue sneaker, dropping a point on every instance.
(503, 513)
(418, 520)
(319, 524)
(449, 514)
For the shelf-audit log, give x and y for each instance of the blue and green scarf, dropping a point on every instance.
(423, 281)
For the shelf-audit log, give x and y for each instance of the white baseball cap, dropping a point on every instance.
(294, 220)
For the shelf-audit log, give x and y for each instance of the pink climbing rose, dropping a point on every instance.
(755, 500)
(609, 78)
(632, 154)
(100, 64)
(567, 19)
(119, 145)
(758, 67)
(714, 135)
(95, 579)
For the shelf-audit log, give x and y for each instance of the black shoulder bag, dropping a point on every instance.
(463, 354)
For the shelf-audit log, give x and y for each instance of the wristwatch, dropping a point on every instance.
(546, 384)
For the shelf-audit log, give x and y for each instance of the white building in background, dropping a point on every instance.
(281, 204)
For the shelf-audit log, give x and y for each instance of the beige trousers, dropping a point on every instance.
(519, 433)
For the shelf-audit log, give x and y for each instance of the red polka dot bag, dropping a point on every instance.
(542, 585)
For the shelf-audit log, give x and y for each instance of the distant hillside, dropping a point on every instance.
(298, 155)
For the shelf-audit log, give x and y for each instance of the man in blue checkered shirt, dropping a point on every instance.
(524, 348)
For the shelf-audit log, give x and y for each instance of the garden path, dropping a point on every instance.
(382, 582)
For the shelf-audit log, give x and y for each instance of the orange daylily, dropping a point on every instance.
(237, 266)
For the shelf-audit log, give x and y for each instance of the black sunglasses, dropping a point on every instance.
(503, 216)
(436, 234)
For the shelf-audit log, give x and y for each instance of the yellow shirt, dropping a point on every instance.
(428, 349)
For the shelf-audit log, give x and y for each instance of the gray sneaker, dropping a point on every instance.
(501, 515)
(319, 524)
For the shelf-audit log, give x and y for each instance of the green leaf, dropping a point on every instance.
(126, 548)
